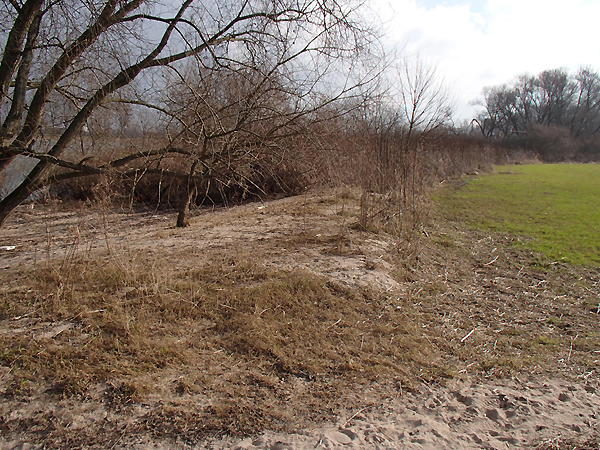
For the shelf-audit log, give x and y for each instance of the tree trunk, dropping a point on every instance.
(184, 206)
(22, 191)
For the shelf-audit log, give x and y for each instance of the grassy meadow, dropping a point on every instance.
(554, 208)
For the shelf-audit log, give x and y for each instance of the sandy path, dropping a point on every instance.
(461, 415)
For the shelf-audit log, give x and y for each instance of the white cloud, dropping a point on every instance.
(495, 41)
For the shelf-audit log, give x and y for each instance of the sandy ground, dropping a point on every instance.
(508, 414)
(534, 409)
(537, 413)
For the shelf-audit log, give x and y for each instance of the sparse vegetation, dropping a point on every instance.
(269, 316)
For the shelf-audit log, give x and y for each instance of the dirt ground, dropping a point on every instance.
(460, 340)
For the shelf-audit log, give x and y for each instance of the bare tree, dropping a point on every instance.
(553, 98)
(415, 112)
(66, 62)
(426, 107)
(585, 113)
(240, 119)
(413, 104)
(554, 93)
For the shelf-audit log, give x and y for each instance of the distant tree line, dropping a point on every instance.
(554, 114)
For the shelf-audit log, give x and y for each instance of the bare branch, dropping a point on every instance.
(14, 42)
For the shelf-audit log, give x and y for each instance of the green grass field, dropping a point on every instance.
(554, 207)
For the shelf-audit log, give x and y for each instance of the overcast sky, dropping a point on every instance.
(474, 44)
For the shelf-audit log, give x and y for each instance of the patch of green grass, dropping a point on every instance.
(444, 241)
(553, 206)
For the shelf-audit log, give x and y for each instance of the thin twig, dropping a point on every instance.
(334, 324)
(492, 261)
(470, 333)
(571, 349)
(354, 415)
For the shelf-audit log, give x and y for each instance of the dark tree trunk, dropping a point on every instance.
(20, 194)
(184, 209)
(190, 190)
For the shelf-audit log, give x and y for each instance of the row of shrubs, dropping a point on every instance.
(352, 160)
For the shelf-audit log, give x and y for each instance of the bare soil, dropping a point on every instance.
(285, 325)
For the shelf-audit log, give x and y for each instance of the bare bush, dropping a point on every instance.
(396, 147)
(402, 134)
(206, 72)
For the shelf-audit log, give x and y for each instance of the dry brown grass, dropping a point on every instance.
(238, 334)
(137, 314)
(241, 339)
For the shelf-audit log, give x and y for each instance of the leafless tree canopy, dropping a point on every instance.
(555, 113)
(224, 80)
